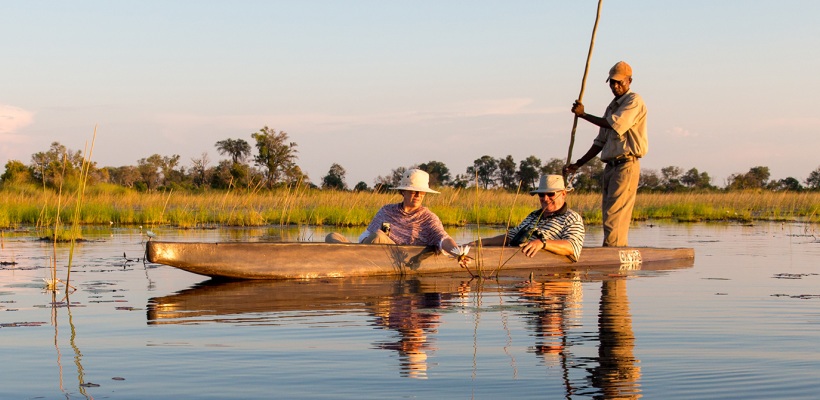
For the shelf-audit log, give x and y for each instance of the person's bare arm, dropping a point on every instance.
(578, 110)
(591, 153)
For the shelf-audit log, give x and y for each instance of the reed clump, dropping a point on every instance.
(110, 204)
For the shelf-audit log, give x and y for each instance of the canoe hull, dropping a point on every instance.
(305, 260)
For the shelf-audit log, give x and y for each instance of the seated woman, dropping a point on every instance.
(553, 227)
(408, 222)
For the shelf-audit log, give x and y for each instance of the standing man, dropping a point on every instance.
(622, 142)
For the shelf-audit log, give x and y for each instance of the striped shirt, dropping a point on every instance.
(564, 224)
(420, 227)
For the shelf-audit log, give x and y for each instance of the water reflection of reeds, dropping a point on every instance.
(65, 303)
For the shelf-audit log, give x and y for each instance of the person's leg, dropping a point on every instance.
(606, 201)
(378, 237)
(620, 189)
(334, 237)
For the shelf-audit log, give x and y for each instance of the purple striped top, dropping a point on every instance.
(421, 227)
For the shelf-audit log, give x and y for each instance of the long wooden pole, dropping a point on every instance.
(584, 82)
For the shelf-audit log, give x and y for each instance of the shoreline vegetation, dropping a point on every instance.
(113, 205)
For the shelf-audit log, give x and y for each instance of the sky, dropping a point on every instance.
(375, 85)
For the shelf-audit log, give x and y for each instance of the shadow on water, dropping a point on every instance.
(413, 308)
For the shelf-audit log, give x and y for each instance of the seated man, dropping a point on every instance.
(408, 222)
(553, 227)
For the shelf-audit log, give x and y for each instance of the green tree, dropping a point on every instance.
(127, 175)
(671, 178)
(199, 170)
(361, 187)
(813, 181)
(335, 178)
(759, 176)
(222, 176)
(460, 181)
(787, 184)
(484, 169)
(588, 177)
(506, 173)
(150, 170)
(277, 156)
(696, 180)
(16, 173)
(439, 173)
(528, 172)
(384, 183)
(237, 149)
(56, 166)
(649, 181)
(173, 174)
(756, 178)
(554, 166)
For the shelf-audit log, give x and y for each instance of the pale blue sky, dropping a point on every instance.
(375, 85)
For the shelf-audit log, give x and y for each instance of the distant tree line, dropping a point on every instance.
(273, 164)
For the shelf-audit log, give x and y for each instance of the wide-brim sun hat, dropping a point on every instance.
(549, 184)
(415, 180)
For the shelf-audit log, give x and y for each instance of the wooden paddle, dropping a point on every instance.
(583, 85)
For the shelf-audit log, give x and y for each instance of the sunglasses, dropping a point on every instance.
(548, 194)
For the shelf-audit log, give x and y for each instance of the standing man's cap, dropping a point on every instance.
(620, 71)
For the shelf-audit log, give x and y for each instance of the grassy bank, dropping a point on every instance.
(105, 205)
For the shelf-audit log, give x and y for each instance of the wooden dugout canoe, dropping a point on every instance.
(304, 260)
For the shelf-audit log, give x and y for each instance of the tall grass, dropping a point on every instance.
(104, 204)
(78, 206)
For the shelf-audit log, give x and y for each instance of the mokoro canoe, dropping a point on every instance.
(302, 260)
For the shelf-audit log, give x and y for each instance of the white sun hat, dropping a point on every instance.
(415, 180)
(550, 183)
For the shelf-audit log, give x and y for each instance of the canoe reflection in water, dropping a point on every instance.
(413, 308)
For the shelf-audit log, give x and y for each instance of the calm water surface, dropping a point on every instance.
(742, 321)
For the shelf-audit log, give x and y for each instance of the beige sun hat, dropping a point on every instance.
(620, 71)
(415, 180)
(550, 183)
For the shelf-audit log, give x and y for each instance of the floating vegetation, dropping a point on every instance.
(798, 296)
(792, 276)
(128, 308)
(21, 324)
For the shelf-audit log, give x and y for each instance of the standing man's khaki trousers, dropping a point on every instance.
(620, 187)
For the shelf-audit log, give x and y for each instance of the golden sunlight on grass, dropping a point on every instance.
(315, 207)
